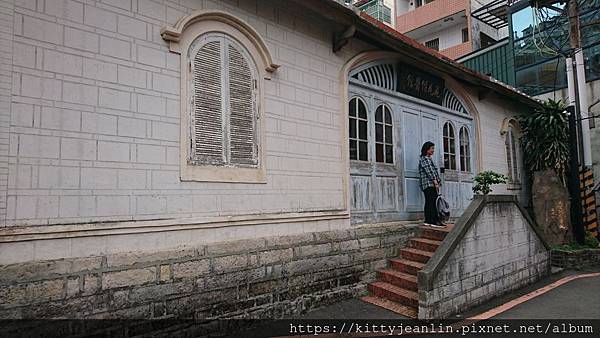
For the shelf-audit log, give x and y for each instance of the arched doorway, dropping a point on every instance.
(386, 128)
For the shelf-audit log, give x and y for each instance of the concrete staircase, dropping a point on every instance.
(396, 288)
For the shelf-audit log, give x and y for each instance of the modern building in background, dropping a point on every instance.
(382, 10)
(448, 26)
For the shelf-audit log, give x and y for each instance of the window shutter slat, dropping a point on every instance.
(207, 125)
(242, 122)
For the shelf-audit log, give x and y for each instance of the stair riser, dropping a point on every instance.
(423, 246)
(393, 296)
(404, 268)
(413, 256)
(433, 234)
(398, 281)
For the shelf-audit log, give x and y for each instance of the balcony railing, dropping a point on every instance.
(429, 13)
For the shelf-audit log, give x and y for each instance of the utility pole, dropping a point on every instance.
(579, 132)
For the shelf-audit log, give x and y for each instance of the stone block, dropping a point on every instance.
(158, 292)
(312, 250)
(191, 268)
(113, 152)
(146, 258)
(165, 83)
(114, 99)
(165, 273)
(98, 178)
(23, 55)
(30, 293)
(77, 149)
(151, 154)
(65, 9)
(60, 119)
(151, 204)
(230, 263)
(98, 70)
(91, 284)
(132, 27)
(83, 40)
(98, 123)
(112, 205)
(151, 56)
(165, 131)
(150, 104)
(80, 93)
(72, 287)
(58, 177)
(275, 256)
(100, 18)
(41, 88)
(62, 63)
(369, 242)
(42, 30)
(132, 77)
(131, 277)
(131, 179)
(235, 247)
(131, 127)
(115, 48)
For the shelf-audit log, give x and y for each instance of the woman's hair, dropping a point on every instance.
(426, 147)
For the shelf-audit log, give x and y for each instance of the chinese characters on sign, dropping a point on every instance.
(420, 84)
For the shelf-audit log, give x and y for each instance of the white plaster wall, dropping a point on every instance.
(95, 115)
(449, 37)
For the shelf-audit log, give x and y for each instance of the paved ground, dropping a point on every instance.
(575, 299)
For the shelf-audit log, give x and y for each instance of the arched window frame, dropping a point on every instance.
(386, 141)
(355, 121)
(464, 139)
(181, 36)
(512, 146)
(449, 146)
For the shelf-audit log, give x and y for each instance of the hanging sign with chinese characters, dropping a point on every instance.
(419, 84)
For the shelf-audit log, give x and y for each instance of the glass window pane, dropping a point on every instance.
(378, 132)
(362, 130)
(379, 152)
(363, 152)
(388, 116)
(379, 114)
(389, 154)
(352, 128)
(353, 150)
(362, 110)
(388, 134)
(352, 107)
(542, 77)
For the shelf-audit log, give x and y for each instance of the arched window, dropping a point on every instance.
(223, 110)
(384, 145)
(465, 150)
(358, 131)
(512, 148)
(449, 147)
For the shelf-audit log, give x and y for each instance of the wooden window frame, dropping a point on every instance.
(512, 156)
(465, 149)
(451, 157)
(181, 36)
(385, 111)
(356, 121)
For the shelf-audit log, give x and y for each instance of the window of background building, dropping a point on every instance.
(433, 44)
(486, 40)
(465, 35)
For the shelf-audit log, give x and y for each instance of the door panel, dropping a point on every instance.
(360, 193)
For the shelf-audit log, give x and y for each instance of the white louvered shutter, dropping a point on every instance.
(242, 124)
(207, 116)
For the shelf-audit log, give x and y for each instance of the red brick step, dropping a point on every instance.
(416, 255)
(404, 310)
(407, 266)
(437, 234)
(424, 244)
(394, 293)
(398, 278)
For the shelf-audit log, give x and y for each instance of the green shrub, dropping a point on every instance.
(485, 179)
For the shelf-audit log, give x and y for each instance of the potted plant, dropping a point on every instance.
(484, 180)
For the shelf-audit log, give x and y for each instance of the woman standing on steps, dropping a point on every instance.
(430, 183)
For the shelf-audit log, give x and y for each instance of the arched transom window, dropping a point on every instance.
(449, 146)
(223, 117)
(384, 139)
(358, 130)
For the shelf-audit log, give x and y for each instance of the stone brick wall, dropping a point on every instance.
(499, 252)
(6, 50)
(260, 278)
(577, 259)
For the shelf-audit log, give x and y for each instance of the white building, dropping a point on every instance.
(139, 131)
